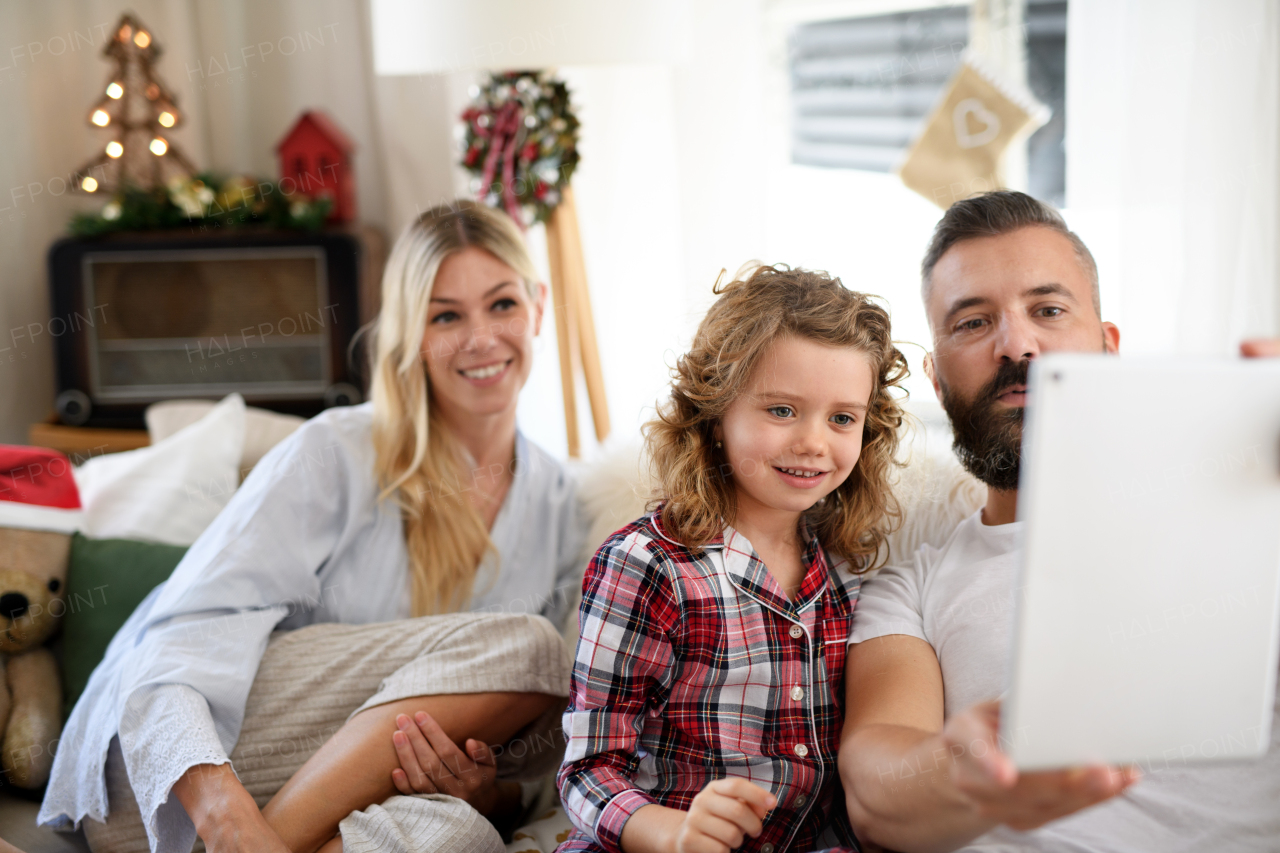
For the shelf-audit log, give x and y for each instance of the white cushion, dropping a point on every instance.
(936, 494)
(263, 430)
(171, 491)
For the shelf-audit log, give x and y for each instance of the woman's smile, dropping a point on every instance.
(486, 374)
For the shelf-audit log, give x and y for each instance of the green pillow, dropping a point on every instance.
(106, 580)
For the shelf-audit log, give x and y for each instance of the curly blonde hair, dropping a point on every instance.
(762, 304)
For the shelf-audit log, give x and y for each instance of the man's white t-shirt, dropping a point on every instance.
(960, 599)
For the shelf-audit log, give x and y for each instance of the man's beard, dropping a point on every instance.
(988, 434)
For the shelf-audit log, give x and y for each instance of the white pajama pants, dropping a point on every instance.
(312, 680)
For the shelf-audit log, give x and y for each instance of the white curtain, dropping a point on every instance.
(243, 70)
(1172, 111)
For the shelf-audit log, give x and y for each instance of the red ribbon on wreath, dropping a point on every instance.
(503, 137)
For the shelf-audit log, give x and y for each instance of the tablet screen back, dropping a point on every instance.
(1148, 627)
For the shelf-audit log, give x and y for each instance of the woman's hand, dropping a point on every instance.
(431, 763)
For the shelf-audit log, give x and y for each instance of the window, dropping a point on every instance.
(1047, 78)
(861, 88)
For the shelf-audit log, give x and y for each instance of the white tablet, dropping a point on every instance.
(1148, 624)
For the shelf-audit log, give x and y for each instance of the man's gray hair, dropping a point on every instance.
(992, 214)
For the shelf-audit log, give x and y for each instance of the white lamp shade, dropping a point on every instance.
(434, 36)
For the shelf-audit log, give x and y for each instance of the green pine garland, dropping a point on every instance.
(204, 201)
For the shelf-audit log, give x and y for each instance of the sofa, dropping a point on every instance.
(199, 454)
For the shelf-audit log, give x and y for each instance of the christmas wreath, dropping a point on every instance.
(520, 143)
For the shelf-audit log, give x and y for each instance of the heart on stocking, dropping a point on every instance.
(960, 119)
(965, 138)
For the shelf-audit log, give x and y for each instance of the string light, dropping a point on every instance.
(133, 50)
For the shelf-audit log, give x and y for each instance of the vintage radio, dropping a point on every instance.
(152, 317)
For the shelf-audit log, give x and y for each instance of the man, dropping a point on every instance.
(1004, 281)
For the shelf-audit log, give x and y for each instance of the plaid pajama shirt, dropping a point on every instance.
(692, 667)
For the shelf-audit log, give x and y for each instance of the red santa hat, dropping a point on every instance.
(37, 490)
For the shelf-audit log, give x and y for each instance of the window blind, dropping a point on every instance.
(861, 88)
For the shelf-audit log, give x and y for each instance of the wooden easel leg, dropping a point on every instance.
(566, 323)
(590, 352)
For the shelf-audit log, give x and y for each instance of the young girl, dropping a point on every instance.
(705, 706)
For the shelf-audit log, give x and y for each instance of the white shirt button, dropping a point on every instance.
(766, 848)
(797, 693)
(801, 800)
(801, 750)
(796, 632)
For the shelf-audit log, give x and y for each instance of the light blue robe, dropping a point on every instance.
(304, 540)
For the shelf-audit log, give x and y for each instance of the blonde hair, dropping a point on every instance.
(698, 496)
(419, 462)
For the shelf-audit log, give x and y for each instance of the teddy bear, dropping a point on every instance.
(39, 510)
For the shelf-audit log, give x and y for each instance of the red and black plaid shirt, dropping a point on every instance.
(695, 666)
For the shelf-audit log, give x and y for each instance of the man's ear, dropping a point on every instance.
(539, 308)
(931, 370)
(1111, 338)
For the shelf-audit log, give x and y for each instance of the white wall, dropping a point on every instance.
(1171, 166)
(685, 172)
(242, 72)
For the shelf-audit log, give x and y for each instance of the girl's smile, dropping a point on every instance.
(801, 478)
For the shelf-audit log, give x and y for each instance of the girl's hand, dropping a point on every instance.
(431, 763)
(722, 815)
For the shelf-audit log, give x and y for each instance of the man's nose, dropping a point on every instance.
(1016, 341)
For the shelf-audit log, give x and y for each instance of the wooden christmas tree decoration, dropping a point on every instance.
(138, 110)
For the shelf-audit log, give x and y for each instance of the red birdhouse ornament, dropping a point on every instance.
(315, 159)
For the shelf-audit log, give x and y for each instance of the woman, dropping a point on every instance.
(426, 500)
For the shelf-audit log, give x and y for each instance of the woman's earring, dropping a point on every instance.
(719, 445)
